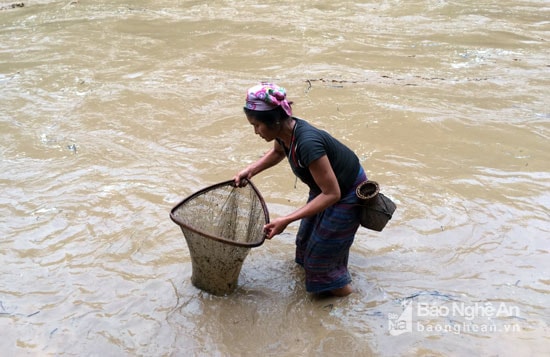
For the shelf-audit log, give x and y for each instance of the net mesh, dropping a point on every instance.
(221, 223)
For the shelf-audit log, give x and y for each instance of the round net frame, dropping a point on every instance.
(225, 213)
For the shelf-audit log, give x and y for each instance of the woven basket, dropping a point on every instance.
(376, 208)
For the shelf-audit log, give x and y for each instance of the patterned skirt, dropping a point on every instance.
(323, 242)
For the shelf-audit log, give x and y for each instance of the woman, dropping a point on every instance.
(329, 219)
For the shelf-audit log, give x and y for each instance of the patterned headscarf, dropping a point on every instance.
(267, 96)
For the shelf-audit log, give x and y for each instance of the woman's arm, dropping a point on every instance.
(270, 158)
(330, 194)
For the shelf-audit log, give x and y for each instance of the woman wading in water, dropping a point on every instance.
(329, 219)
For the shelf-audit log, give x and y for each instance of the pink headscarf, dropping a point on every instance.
(267, 96)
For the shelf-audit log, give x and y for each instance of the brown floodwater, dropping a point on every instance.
(114, 111)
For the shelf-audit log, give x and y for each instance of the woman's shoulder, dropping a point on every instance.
(304, 126)
(305, 129)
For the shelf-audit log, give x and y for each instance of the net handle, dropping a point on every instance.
(175, 219)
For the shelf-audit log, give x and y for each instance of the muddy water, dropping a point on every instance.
(112, 112)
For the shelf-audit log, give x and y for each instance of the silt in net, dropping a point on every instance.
(221, 223)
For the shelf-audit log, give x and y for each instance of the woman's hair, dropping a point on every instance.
(268, 117)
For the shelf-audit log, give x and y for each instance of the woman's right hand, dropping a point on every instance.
(241, 176)
(270, 158)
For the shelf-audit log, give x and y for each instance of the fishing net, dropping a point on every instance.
(221, 223)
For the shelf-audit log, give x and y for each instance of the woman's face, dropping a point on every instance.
(261, 129)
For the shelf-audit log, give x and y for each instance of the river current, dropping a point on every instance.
(112, 112)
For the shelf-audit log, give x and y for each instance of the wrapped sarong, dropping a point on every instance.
(323, 242)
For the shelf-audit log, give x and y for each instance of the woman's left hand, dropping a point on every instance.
(275, 227)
